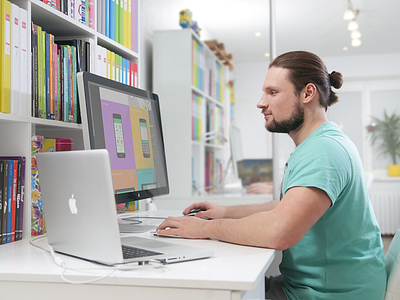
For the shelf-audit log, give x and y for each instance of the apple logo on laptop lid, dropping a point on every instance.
(72, 205)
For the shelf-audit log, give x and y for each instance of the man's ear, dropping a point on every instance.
(309, 92)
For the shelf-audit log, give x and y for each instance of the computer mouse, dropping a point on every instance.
(193, 212)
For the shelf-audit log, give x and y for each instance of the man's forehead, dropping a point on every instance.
(275, 76)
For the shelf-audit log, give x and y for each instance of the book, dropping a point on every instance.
(99, 60)
(117, 16)
(128, 73)
(49, 145)
(121, 29)
(134, 74)
(91, 13)
(108, 64)
(5, 202)
(74, 107)
(134, 26)
(13, 207)
(5, 56)
(65, 78)
(107, 18)
(1, 194)
(24, 67)
(105, 66)
(37, 217)
(81, 11)
(47, 76)
(41, 77)
(62, 83)
(117, 67)
(18, 217)
(127, 25)
(35, 71)
(112, 19)
(20, 193)
(51, 76)
(15, 61)
(55, 80)
(9, 199)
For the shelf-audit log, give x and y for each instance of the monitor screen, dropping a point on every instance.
(127, 122)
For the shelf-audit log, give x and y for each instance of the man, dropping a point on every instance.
(323, 221)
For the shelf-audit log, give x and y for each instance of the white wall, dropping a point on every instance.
(358, 71)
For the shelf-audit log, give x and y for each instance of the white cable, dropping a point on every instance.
(59, 262)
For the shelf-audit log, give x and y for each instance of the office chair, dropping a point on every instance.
(392, 258)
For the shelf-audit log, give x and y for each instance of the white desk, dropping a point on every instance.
(234, 272)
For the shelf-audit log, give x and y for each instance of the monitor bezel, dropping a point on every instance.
(87, 106)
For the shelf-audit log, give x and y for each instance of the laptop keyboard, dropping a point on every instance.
(132, 252)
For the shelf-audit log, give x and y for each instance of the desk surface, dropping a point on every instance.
(232, 268)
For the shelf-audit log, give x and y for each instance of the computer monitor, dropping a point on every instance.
(127, 122)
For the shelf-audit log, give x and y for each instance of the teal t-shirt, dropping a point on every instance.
(341, 256)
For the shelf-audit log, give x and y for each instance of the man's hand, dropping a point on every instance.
(260, 188)
(207, 209)
(188, 227)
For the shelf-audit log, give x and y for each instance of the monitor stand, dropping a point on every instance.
(134, 223)
(135, 228)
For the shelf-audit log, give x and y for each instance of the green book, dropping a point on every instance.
(73, 86)
(117, 16)
(66, 82)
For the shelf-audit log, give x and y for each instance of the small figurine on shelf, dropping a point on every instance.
(185, 21)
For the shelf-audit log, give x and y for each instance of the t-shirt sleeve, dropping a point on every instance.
(326, 165)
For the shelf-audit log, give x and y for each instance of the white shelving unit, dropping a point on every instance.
(172, 81)
(15, 130)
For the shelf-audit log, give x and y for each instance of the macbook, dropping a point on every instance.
(81, 217)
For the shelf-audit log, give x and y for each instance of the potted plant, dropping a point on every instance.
(385, 135)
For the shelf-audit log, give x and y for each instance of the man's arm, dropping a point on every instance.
(280, 228)
(215, 211)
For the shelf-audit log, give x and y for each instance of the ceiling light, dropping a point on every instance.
(353, 25)
(349, 15)
(258, 33)
(345, 48)
(356, 42)
(355, 34)
(267, 54)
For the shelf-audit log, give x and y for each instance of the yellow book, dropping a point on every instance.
(129, 16)
(5, 57)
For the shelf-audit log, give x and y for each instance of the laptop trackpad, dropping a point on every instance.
(145, 243)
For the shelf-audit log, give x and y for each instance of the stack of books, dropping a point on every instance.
(13, 59)
(12, 196)
(80, 10)
(118, 20)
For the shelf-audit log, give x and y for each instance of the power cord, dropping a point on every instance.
(59, 262)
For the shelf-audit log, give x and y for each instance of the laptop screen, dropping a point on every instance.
(127, 122)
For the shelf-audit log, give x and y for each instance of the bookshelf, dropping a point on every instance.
(190, 81)
(16, 130)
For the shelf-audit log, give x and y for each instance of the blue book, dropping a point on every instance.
(124, 68)
(112, 19)
(9, 199)
(47, 55)
(107, 18)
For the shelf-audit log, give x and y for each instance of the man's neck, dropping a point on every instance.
(308, 127)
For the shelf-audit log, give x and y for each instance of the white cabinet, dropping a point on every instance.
(15, 130)
(191, 84)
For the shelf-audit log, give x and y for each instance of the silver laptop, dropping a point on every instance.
(81, 217)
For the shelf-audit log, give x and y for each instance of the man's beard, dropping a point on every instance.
(292, 124)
